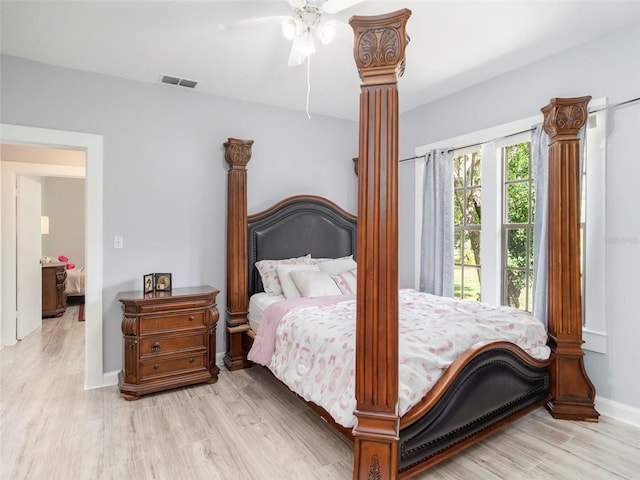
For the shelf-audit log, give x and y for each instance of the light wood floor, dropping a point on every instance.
(247, 426)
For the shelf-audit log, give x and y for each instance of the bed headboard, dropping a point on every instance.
(298, 226)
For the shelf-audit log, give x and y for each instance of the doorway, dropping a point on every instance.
(92, 146)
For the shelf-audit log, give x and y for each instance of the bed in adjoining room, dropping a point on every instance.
(312, 294)
(74, 285)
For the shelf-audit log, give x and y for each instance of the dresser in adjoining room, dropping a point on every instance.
(54, 300)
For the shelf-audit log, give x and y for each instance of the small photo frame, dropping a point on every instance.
(162, 281)
(148, 283)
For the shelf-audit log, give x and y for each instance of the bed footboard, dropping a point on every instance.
(495, 387)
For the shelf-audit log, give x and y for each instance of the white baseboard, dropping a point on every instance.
(110, 379)
(220, 358)
(619, 411)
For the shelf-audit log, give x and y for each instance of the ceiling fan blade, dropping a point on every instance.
(253, 22)
(335, 6)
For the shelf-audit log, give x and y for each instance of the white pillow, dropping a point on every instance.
(346, 281)
(315, 284)
(269, 275)
(337, 265)
(286, 282)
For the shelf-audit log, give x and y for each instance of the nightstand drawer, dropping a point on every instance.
(174, 365)
(154, 324)
(162, 345)
(169, 307)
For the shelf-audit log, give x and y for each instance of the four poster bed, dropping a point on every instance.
(487, 385)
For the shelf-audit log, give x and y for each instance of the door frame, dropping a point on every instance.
(92, 145)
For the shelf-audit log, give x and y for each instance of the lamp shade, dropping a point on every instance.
(44, 225)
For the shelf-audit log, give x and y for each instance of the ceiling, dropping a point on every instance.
(454, 44)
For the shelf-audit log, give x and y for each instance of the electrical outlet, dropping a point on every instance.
(118, 241)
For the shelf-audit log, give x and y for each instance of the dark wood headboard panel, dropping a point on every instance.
(298, 226)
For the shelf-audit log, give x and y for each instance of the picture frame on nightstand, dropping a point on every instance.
(148, 283)
(162, 282)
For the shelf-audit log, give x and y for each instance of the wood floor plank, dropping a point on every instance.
(246, 426)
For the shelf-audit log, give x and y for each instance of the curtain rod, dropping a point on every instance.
(606, 107)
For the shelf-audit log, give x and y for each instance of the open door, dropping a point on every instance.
(29, 251)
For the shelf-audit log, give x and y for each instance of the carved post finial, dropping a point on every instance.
(565, 116)
(379, 48)
(237, 152)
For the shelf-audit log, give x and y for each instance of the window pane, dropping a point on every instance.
(517, 203)
(517, 161)
(457, 247)
(473, 206)
(530, 232)
(533, 201)
(472, 283)
(458, 207)
(472, 248)
(457, 281)
(516, 247)
(458, 171)
(474, 169)
(515, 288)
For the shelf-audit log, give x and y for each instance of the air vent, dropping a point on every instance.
(182, 82)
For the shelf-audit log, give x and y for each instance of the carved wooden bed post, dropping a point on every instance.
(571, 390)
(380, 43)
(237, 155)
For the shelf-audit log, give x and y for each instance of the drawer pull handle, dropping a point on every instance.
(155, 347)
(192, 318)
(156, 366)
(191, 360)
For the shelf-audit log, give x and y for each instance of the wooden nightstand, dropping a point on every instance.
(54, 300)
(169, 340)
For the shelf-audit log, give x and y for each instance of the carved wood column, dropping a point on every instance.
(380, 43)
(572, 392)
(237, 154)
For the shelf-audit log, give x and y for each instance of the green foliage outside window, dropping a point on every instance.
(467, 221)
(519, 204)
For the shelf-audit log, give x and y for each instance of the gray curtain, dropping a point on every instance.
(540, 153)
(436, 259)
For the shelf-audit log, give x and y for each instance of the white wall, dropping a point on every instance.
(164, 170)
(63, 202)
(608, 67)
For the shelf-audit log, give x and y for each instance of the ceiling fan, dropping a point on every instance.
(307, 22)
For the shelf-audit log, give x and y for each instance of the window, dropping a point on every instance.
(494, 208)
(518, 205)
(467, 203)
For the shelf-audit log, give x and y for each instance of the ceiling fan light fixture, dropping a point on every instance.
(327, 31)
(289, 28)
(305, 44)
